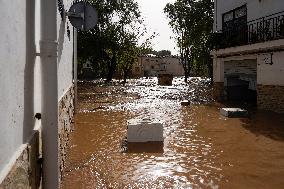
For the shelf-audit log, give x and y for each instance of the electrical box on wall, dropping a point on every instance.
(267, 58)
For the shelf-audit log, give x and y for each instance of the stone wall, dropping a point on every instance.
(218, 91)
(66, 113)
(270, 97)
(26, 172)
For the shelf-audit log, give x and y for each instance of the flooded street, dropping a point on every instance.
(201, 148)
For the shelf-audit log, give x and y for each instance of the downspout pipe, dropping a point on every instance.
(75, 34)
(49, 107)
(215, 28)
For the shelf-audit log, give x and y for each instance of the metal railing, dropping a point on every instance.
(259, 30)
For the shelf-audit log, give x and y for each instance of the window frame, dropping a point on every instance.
(234, 16)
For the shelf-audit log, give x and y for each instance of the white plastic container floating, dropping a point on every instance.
(142, 130)
(234, 112)
(185, 103)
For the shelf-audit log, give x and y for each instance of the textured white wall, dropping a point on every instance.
(173, 66)
(65, 53)
(255, 8)
(271, 74)
(218, 70)
(266, 74)
(20, 73)
(15, 63)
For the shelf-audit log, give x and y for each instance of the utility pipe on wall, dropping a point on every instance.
(215, 29)
(49, 109)
(75, 69)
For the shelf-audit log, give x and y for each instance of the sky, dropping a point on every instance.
(156, 21)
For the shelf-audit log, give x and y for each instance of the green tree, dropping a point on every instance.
(104, 44)
(129, 54)
(164, 53)
(130, 51)
(191, 21)
(160, 53)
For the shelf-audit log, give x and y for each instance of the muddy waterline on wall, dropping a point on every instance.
(201, 148)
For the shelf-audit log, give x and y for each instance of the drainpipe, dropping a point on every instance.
(48, 54)
(216, 15)
(75, 69)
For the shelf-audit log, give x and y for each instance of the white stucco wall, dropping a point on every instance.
(271, 74)
(151, 65)
(14, 64)
(218, 70)
(173, 66)
(267, 74)
(65, 53)
(20, 74)
(255, 9)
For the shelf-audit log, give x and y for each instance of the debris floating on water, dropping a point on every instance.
(185, 103)
(165, 79)
(144, 131)
(234, 112)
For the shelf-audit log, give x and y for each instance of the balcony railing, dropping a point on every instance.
(260, 30)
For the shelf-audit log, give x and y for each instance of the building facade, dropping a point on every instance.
(38, 54)
(151, 66)
(172, 65)
(248, 60)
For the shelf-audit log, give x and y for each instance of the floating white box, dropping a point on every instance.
(234, 112)
(140, 130)
(185, 103)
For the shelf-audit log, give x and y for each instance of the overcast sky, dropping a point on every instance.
(156, 21)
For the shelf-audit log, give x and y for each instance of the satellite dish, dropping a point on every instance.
(83, 16)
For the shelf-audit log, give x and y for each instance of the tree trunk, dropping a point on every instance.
(209, 63)
(111, 69)
(188, 60)
(125, 74)
(185, 76)
(109, 74)
(124, 78)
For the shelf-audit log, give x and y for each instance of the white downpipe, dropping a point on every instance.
(215, 28)
(75, 70)
(48, 54)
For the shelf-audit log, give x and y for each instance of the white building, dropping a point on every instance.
(249, 54)
(172, 65)
(37, 54)
(151, 65)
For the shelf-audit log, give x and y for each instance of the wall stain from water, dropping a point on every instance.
(201, 149)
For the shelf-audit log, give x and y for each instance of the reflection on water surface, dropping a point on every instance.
(201, 148)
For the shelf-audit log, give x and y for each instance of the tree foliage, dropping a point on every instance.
(162, 53)
(115, 37)
(191, 21)
(129, 54)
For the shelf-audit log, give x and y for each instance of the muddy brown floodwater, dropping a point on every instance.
(201, 148)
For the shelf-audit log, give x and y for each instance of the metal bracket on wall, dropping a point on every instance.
(271, 59)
